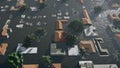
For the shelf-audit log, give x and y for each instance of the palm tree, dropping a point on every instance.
(15, 60)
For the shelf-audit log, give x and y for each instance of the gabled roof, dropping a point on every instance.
(113, 16)
(56, 65)
(59, 36)
(30, 66)
(117, 36)
(4, 32)
(88, 44)
(3, 47)
(86, 20)
(59, 23)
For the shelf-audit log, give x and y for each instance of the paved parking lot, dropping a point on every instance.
(24, 23)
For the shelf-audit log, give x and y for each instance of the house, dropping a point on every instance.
(30, 66)
(86, 64)
(20, 3)
(3, 48)
(113, 16)
(56, 65)
(40, 1)
(74, 51)
(60, 23)
(90, 64)
(59, 36)
(4, 32)
(87, 44)
(5, 28)
(90, 31)
(56, 51)
(115, 5)
(117, 36)
(86, 20)
(81, 1)
(102, 52)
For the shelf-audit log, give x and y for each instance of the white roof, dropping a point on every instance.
(83, 62)
(73, 51)
(105, 66)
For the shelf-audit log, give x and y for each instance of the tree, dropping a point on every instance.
(76, 26)
(116, 23)
(97, 9)
(70, 39)
(28, 40)
(15, 60)
(39, 32)
(47, 60)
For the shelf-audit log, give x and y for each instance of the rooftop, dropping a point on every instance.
(113, 16)
(56, 65)
(3, 47)
(60, 23)
(74, 51)
(59, 36)
(87, 44)
(30, 66)
(90, 64)
(117, 36)
(86, 19)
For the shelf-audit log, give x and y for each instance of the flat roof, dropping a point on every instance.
(105, 66)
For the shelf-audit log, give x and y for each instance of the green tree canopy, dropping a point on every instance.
(76, 26)
(47, 60)
(39, 32)
(70, 39)
(15, 60)
(28, 40)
